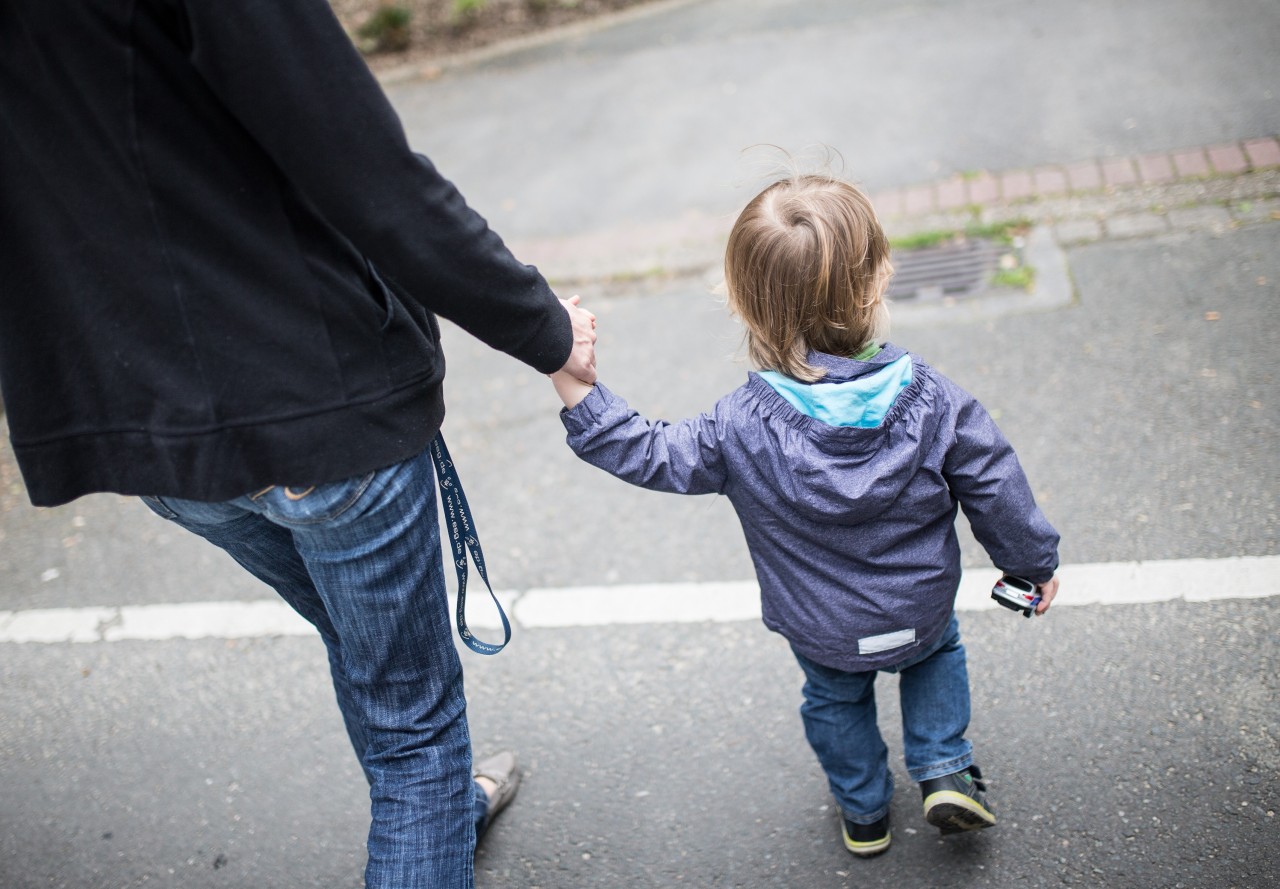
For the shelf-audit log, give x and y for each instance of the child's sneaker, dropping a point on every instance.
(865, 840)
(957, 802)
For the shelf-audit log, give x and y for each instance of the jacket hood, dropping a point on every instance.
(847, 474)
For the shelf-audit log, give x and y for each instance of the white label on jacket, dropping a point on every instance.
(886, 641)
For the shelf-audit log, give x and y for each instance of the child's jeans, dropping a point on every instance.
(839, 714)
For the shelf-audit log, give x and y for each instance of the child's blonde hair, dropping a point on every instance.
(806, 268)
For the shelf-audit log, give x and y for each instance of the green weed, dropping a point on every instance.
(387, 30)
(1022, 277)
(464, 10)
(999, 232)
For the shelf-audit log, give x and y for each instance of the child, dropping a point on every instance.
(845, 459)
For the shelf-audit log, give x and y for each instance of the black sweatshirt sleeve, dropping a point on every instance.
(288, 72)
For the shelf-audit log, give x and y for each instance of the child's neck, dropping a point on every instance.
(869, 351)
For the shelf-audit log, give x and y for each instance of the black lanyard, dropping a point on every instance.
(463, 538)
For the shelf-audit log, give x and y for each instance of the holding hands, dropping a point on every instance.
(575, 379)
(582, 360)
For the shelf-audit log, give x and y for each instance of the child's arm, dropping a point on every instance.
(679, 458)
(570, 389)
(986, 478)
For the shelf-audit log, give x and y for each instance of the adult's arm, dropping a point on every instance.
(288, 72)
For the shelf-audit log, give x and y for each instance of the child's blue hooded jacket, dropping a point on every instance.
(851, 527)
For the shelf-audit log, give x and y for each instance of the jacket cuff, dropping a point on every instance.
(1045, 577)
(586, 414)
(550, 346)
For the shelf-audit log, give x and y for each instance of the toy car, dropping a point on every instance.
(1017, 594)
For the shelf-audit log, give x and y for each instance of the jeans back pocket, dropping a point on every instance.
(311, 504)
(159, 507)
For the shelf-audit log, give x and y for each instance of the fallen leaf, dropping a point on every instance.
(1212, 316)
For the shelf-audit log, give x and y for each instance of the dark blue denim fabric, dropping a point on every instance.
(839, 713)
(361, 560)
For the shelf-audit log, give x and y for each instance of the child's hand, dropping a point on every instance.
(570, 389)
(582, 360)
(1047, 591)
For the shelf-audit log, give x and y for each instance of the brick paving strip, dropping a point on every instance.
(1209, 188)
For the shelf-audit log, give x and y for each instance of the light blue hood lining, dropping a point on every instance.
(861, 403)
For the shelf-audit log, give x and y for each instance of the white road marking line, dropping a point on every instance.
(154, 623)
(639, 604)
(1114, 583)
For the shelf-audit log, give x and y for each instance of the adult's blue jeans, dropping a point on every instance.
(360, 559)
(839, 714)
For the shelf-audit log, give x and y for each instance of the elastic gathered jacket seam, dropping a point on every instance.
(822, 430)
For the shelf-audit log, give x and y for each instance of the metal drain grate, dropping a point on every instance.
(948, 270)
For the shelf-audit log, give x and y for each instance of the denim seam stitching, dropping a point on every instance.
(163, 508)
(951, 766)
(329, 517)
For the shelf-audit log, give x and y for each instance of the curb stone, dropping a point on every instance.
(1077, 204)
(432, 68)
(986, 188)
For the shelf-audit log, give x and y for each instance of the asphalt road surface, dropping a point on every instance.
(1129, 745)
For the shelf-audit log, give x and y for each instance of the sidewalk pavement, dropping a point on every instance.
(1205, 188)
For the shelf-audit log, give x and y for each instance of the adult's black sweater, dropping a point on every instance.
(219, 258)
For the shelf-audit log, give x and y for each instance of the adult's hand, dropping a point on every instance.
(582, 360)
